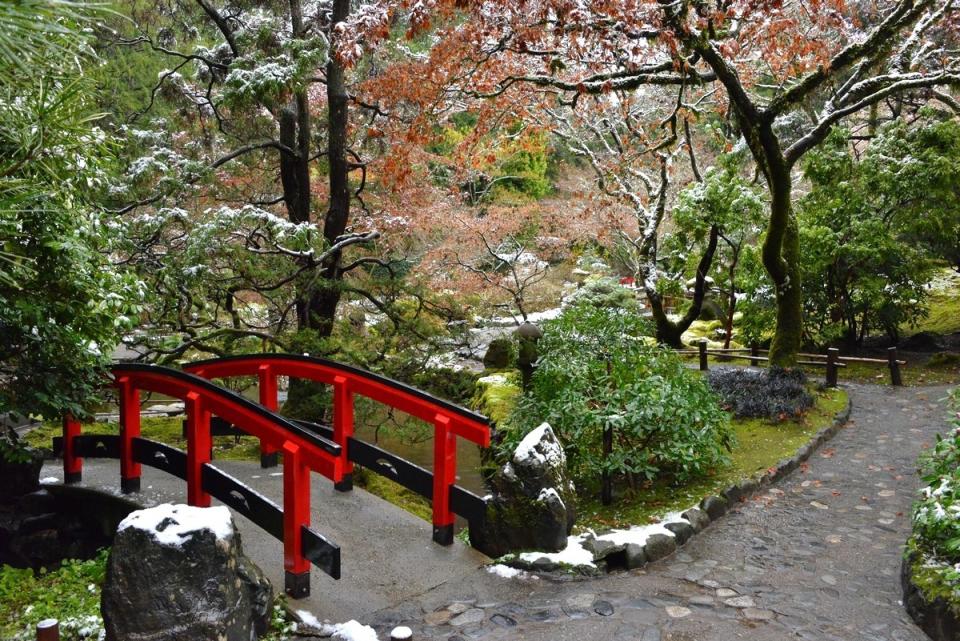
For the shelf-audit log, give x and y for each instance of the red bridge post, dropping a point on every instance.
(343, 428)
(444, 475)
(198, 449)
(72, 464)
(296, 514)
(129, 430)
(269, 456)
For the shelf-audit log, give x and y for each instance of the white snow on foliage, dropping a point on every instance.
(172, 525)
(577, 555)
(349, 631)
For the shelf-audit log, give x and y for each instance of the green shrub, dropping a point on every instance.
(599, 370)
(936, 517)
(605, 292)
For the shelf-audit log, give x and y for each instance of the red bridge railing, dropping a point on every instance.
(302, 450)
(305, 446)
(449, 420)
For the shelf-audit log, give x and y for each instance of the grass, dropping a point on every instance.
(943, 304)
(70, 593)
(167, 430)
(760, 445)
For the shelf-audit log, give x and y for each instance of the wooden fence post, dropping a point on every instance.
(754, 351)
(702, 346)
(833, 357)
(48, 630)
(895, 378)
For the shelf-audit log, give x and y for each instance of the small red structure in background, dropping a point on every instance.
(630, 281)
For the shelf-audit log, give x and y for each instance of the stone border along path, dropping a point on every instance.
(817, 557)
(635, 547)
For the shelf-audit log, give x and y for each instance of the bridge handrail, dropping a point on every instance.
(177, 383)
(375, 386)
(449, 419)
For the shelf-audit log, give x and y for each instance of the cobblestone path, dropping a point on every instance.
(815, 557)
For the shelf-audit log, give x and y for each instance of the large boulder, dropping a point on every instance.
(178, 573)
(533, 505)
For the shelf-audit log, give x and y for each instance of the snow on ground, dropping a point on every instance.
(576, 555)
(349, 631)
(172, 525)
(535, 317)
(49, 479)
(507, 572)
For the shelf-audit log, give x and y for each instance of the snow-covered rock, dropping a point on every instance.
(533, 501)
(178, 573)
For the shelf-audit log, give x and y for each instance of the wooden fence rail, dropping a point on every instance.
(832, 360)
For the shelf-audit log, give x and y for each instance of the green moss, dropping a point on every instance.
(931, 580)
(394, 493)
(759, 446)
(497, 395)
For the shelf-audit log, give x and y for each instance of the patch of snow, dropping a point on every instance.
(548, 492)
(640, 533)
(527, 449)
(507, 572)
(349, 631)
(401, 632)
(535, 317)
(492, 379)
(171, 525)
(576, 555)
(49, 479)
(573, 555)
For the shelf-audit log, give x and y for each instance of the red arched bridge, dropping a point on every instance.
(305, 447)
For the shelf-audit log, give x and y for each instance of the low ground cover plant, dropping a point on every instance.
(775, 393)
(934, 545)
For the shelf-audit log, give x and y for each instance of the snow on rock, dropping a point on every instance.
(540, 446)
(49, 479)
(577, 555)
(401, 633)
(349, 631)
(172, 525)
(509, 321)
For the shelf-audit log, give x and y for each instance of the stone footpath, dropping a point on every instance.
(815, 557)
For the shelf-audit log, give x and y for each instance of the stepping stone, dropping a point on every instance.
(438, 618)
(476, 615)
(678, 611)
(726, 593)
(755, 614)
(741, 602)
(603, 608)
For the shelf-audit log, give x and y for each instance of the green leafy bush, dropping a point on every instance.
(599, 369)
(936, 517)
(774, 393)
(605, 292)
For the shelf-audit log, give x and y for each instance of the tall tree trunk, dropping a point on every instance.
(732, 300)
(322, 307)
(781, 258)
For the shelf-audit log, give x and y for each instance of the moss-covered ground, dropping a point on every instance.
(760, 444)
(167, 430)
(70, 593)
